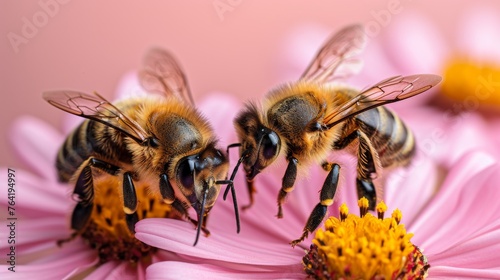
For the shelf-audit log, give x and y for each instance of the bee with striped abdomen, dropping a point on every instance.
(306, 120)
(161, 142)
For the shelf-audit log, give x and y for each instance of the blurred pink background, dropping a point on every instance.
(233, 46)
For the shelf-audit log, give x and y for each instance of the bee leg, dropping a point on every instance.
(81, 215)
(129, 194)
(104, 166)
(131, 220)
(326, 199)
(251, 192)
(343, 142)
(366, 171)
(84, 191)
(166, 190)
(366, 165)
(287, 183)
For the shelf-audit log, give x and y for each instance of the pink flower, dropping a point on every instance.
(457, 227)
(43, 206)
(447, 197)
(432, 209)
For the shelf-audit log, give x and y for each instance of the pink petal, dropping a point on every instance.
(181, 270)
(446, 137)
(163, 255)
(56, 266)
(478, 35)
(220, 109)
(494, 125)
(441, 224)
(33, 231)
(70, 122)
(38, 248)
(128, 86)
(470, 133)
(103, 270)
(80, 270)
(36, 197)
(125, 270)
(415, 45)
(298, 48)
(478, 252)
(141, 271)
(377, 65)
(410, 189)
(180, 236)
(36, 143)
(446, 272)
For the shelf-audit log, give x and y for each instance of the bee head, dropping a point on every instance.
(260, 145)
(197, 176)
(263, 153)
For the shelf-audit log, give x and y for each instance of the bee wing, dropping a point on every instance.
(162, 74)
(337, 59)
(97, 108)
(387, 91)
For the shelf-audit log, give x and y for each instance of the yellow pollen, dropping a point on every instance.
(471, 83)
(343, 211)
(363, 206)
(107, 231)
(364, 247)
(381, 208)
(397, 215)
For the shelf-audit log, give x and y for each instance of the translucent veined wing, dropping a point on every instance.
(162, 74)
(337, 59)
(97, 108)
(387, 91)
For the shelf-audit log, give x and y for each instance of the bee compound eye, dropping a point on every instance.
(270, 145)
(185, 173)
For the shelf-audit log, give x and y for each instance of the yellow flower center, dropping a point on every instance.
(472, 84)
(107, 230)
(365, 247)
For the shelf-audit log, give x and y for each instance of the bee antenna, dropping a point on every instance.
(201, 214)
(230, 186)
(235, 168)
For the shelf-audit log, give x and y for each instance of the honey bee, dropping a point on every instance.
(159, 141)
(307, 119)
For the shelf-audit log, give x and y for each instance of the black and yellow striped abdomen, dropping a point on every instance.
(90, 138)
(390, 137)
